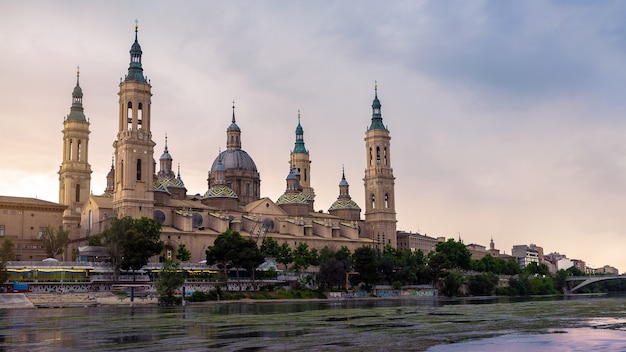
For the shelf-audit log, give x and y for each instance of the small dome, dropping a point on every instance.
(344, 204)
(220, 192)
(77, 92)
(300, 198)
(234, 159)
(233, 127)
(165, 155)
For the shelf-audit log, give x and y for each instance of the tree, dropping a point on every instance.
(169, 280)
(230, 249)
(131, 242)
(483, 284)
(270, 248)
(140, 243)
(183, 254)
(455, 254)
(53, 242)
(303, 257)
(6, 253)
(366, 263)
(285, 255)
(452, 282)
(333, 267)
(95, 240)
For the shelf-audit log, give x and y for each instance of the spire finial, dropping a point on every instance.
(166, 142)
(343, 172)
(112, 160)
(77, 74)
(233, 111)
(179, 170)
(376, 88)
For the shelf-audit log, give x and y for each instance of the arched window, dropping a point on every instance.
(385, 156)
(371, 160)
(80, 151)
(129, 115)
(377, 155)
(71, 149)
(386, 201)
(305, 174)
(77, 192)
(373, 202)
(138, 169)
(139, 115)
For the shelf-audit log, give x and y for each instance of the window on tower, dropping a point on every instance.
(71, 150)
(78, 193)
(138, 169)
(129, 115)
(139, 115)
(385, 156)
(371, 157)
(373, 202)
(377, 155)
(79, 150)
(386, 201)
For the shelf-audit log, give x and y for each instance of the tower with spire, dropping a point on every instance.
(301, 162)
(344, 207)
(380, 211)
(75, 171)
(134, 149)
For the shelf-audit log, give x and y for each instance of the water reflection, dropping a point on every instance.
(378, 324)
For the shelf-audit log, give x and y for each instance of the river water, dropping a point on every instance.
(494, 324)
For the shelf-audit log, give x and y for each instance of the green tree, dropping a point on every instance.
(183, 254)
(230, 249)
(303, 257)
(131, 242)
(270, 248)
(285, 255)
(452, 283)
(455, 254)
(169, 280)
(140, 243)
(54, 242)
(366, 262)
(95, 240)
(6, 254)
(483, 284)
(333, 267)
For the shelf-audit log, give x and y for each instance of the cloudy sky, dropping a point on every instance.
(507, 117)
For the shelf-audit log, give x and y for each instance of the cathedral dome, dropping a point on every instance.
(234, 159)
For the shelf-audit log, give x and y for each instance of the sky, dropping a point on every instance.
(507, 118)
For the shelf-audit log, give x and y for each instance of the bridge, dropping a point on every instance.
(588, 280)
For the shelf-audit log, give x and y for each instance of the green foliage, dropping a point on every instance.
(280, 293)
(530, 285)
(453, 255)
(54, 242)
(95, 240)
(285, 255)
(141, 242)
(303, 257)
(333, 267)
(230, 249)
(452, 283)
(270, 248)
(169, 280)
(183, 254)
(483, 284)
(131, 242)
(536, 269)
(495, 265)
(6, 254)
(366, 262)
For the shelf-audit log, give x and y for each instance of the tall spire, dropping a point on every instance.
(233, 134)
(77, 111)
(135, 71)
(377, 117)
(299, 146)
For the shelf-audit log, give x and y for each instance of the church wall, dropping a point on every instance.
(218, 223)
(323, 228)
(182, 220)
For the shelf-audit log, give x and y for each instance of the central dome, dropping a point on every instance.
(234, 159)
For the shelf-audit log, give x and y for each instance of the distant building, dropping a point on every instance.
(477, 250)
(607, 269)
(527, 254)
(24, 220)
(416, 241)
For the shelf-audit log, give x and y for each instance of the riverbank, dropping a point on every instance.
(64, 300)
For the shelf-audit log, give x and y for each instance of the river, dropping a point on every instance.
(490, 324)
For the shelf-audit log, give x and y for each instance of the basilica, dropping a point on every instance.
(140, 185)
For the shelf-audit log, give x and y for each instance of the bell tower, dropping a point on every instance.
(380, 210)
(134, 149)
(75, 171)
(301, 163)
